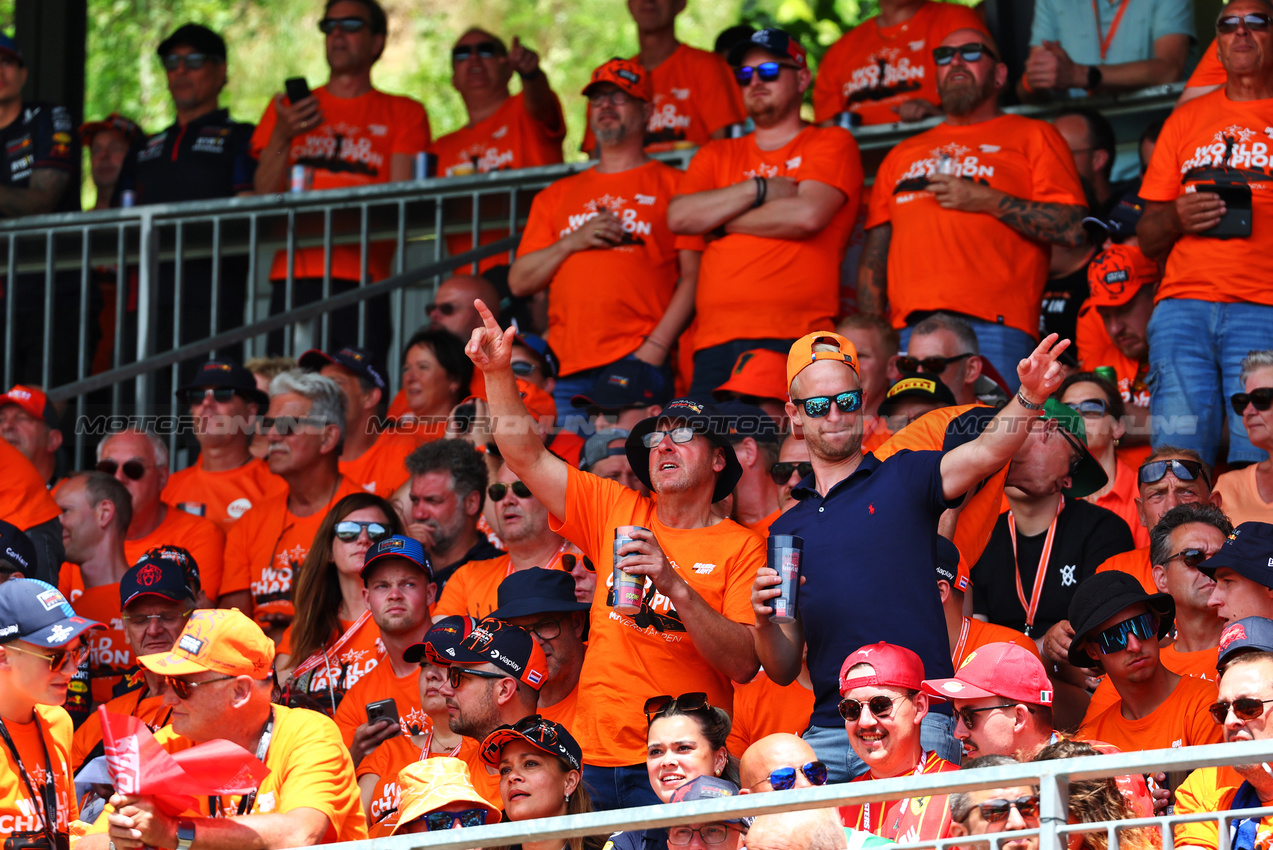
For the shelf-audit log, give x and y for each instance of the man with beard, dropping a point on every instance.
(448, 484)
(781, 203)
(609, 224)
(980, 178)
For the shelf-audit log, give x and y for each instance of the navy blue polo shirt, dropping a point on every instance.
(869, 550)
(42, 136)
(206, 159)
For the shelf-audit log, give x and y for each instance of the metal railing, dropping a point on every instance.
(1052, 778)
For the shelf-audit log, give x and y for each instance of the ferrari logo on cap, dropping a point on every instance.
(952, 687)
(968, 659)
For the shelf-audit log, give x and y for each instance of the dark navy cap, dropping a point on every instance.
(537, 591)
(155, 574)
(444, 634)
(398, 546)
(360, 361)
(703, 417)
(36, 612)
(627, 383)
(227, 373)
(775, 41)
(197, 36)
(1249, 633)
(17, 548)
(1248, 552)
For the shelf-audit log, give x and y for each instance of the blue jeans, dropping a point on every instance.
(1195, 356)
(713, 365)
(1003, 346)
(619, 787)
(831, 743)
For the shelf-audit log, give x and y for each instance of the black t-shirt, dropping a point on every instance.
(42, 136)
(208, 158)
(1086, 535)
(1062, 299)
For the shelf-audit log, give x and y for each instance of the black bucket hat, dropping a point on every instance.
(1102, 596)
(702, 417)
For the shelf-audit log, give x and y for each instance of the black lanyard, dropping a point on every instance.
(248, 800)
(48, 799)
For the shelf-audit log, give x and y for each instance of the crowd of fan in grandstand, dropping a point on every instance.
(1028, 527)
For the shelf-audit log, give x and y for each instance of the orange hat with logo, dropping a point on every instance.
(428, 785)
(629, 76)
(802, 353)
(759, 373)
(1117, 274)
(218, 639)
(33, 401)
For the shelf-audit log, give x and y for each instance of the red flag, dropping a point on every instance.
(140, 767)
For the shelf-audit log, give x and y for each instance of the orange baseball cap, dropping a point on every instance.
(217, 639)
(757, 373)
(802, 353)
(629, 76)
(1117, 273)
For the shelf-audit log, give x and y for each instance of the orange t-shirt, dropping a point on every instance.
(631, 658)
(907, 820)
(357, 657)
(1136, 564)
(1191, 143)
(109, 655)
(1121, 499)
(591, 325)
(508, 138)
(309, 768)
(473, 589)
(354, 146)
(1181, 721)
(763, 708)
(1208, 789)
(22, 818)
(266, 548)
(875, 433)
(202, 538)
(24, 498)
(1240, 497)
(977, 633)
(377, 684)
(222, 497)
(942, 259)
(762, 526)
(695, 95)
(756, 287)
(150, 710)
(384, 763)
(1199, 665)
(564, 710)
(382, 469)
(873, 69)
(1209, 71)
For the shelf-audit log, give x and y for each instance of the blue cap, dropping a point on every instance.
(8, 45)
(1249, 633)
(536, 590)
(156, 573)
(36, 612)
(398, 546)
(1248, 552)
(627, 383)
(360, 361)
(707, 788)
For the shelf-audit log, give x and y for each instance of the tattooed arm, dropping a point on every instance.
(1055, 224)
(873, 270)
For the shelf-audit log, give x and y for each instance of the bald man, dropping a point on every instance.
(773, 753)
(812, 829)
(452, 306)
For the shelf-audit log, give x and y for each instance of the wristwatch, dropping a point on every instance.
(185, 834)
(1028, 405)
(1094, 77)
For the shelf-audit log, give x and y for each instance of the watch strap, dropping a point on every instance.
(185, 834)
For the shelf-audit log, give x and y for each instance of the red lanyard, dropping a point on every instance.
(1033, 605)
(322, 656)
(1108, 38)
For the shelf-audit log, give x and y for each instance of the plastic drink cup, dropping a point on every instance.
(785, 551)
(628, 589)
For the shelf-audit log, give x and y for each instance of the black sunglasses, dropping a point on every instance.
(287, 425)
(693, 701)
(819, 406)
(969, 715)
(1185, 470)
(1261, 397)
(970, 52)
(993, 811)
(192, 61)
(1244, 708)
(932, 365)
(330, 25)
(134, 469)
(767, 71)
(1254, 21)
(483, 49)
(1191, 557)
(454, 674)
(784, 778)
(781, 471)
(349, 530)
(444, 309)
(1114, 639)
(880, 706)
(497, 492)
(436, 821)
(198, 395)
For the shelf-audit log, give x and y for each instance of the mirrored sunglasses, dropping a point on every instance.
(1114, 639)
(350, 530)
(819, 406)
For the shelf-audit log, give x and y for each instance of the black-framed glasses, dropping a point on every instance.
(932, 365)
(1114, 639)
(349, 25)
(692, 701)
(184, 689)
(683, 434)
(1244, 708)
(444, 309)
(482, 49)
(614, 97)
(436, 821)
(350, 530)
(880, 706)
(784, 778)
(455, 674)
(712, 833)
(497, 492)
(767, 71)
(198, 395)
(1190, 557)
(192, 61)
(1253, 21)
(819, 406)
(134, 469)
(287, 425)
(970, 53)
(993, 811)
(545, 629)
(1185, 470)
(59, 658)
(166, 620)
(781, 471)
(968, 716)
(1260, 397)
(1090, 408)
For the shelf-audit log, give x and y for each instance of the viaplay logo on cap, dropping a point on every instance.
(1236, 631)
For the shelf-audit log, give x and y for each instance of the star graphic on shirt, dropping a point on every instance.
(952, 150)
(605, 202)
(1233, 131)
(353, 655)
(293, 556)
